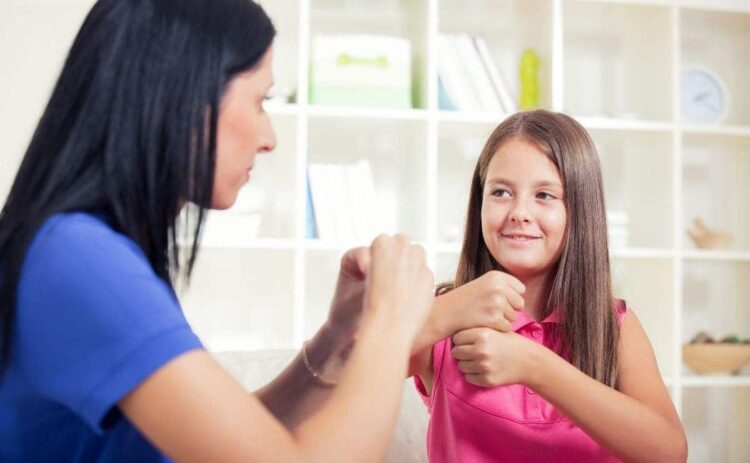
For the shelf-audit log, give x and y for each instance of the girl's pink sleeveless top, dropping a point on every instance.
(471, 424)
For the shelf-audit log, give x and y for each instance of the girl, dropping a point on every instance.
(159, 105)
(571, 376)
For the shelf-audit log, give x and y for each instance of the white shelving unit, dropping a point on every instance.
(612, 64)
(615, 66)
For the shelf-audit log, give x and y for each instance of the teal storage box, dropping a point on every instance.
(361, 70)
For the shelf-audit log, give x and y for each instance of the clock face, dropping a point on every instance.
(703, 100)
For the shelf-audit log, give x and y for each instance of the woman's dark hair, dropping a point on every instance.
(130, 130)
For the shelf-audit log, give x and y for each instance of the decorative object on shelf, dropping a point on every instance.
(469, 79)
(708, 238)
(361, 70)
(704, 98)
(704, 355)
(529, 74)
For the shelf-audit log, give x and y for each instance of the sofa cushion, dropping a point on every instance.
(256, 368)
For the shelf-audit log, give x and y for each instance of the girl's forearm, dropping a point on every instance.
(621, 424)
(439, 325)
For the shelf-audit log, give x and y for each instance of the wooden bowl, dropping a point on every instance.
(716, 358)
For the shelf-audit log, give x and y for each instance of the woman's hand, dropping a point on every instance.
(399, 284)
(398, 272)
(489, 358)
(346, 306)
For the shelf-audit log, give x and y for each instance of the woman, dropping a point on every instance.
(158, 108)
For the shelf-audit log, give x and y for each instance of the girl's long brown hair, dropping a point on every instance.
(581, 287)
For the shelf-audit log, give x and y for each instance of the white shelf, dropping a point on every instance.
(367, 113)
(319, 245)
(719, 381)
(730, 6)
(642, 253)
(703, 255)
(278, 244)
(624, 124)
(468, 117)
(741, 131)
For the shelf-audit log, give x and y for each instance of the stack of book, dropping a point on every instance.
(469, 79)
(343, 204)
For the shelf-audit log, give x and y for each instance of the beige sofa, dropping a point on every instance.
(253, 369)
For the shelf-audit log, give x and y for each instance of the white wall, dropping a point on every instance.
(35, 36)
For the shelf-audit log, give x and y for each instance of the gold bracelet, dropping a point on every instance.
(323, 381)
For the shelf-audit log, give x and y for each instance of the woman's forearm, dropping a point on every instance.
(623, 425)
(363, 408)
(295, 394)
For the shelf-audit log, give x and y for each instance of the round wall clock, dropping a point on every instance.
(704, 97)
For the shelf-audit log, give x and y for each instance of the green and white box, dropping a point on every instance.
(361, 70)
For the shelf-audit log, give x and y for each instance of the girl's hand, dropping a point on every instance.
(489, 301)
(489, 358)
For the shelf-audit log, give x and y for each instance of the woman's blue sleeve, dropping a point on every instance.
(92, 319)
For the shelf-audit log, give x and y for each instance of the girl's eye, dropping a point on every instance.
(500, 193)
(545, 196)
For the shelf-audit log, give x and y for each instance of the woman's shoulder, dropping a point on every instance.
(83, 238)
(79, 232)
(74, 227)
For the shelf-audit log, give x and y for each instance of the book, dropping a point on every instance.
(345, 202)
(452, 71)
(486, 96)
(499, 83)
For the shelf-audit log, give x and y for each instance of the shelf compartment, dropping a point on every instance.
(250, 307)
(716, 298)
(718, 42)
(637, 171)
(616, 61)
(396, 152)
(512, 27)
(716, 176)
(395, 18)
(716, 420)
(646, 284)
